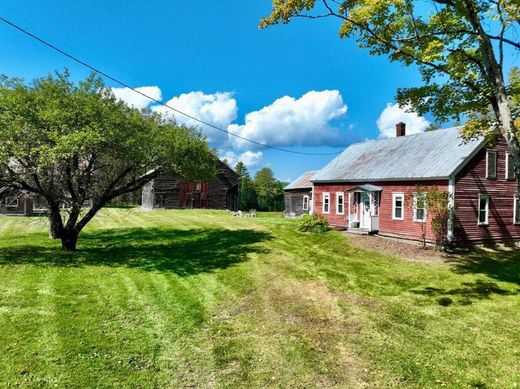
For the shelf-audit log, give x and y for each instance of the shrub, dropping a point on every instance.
(313, 223)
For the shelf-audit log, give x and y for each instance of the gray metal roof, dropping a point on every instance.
(433, 154)
(302, 182)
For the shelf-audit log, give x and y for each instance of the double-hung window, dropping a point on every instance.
(398, 206)
(419, 207)
(483, 209)
(11, 202)
(516, 210)
(326, 202)
(491, 164)
(305, 203)
(340, 203)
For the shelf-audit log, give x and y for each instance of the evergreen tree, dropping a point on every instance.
(248, 199)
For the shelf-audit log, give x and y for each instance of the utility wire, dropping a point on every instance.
(125, 85)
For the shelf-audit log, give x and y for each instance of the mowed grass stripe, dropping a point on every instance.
(204, 299)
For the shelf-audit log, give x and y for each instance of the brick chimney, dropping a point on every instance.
(400, 129)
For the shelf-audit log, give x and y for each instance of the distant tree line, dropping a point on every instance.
(263, 192)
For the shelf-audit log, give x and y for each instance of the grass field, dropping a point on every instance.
(202, 299)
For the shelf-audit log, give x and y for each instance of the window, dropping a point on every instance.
(340, 197)
(419, 207)
(516, 209)
(11, 202)
(510, 171)
(398, 206)
(483, 209)
(491, 164)
(326, 202)
(305, 203)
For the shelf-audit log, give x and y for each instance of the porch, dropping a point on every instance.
(363, 209)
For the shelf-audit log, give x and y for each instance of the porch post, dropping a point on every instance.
(349, 201)
(371, 199)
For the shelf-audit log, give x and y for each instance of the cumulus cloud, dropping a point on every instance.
(288, 121)
(248, 158)
(136, 100)
(219, 109)
(393, 114)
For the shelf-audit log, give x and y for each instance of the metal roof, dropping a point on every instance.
(428, 155)
(302, 182)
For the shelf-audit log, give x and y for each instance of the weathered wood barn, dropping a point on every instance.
(15, 202)
(370, 187)
(298, 196)
(173, 192)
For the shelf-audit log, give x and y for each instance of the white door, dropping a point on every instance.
(365, 210)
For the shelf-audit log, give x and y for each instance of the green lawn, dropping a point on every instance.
(202, 299)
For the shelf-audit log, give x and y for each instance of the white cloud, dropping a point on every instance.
(393, 114)
(136, 100)
(288, 121)
(248, 158)
(219, 109)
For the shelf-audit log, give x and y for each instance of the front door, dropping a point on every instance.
(365, 211)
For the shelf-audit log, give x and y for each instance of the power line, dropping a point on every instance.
(125, 85)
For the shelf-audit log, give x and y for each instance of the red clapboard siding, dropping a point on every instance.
(406, 228)
(471, 182)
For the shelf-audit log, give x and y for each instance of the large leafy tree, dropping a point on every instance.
(458, 45)
(269, 190)
(75, 142)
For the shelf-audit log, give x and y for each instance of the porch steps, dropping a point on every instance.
(360, 231)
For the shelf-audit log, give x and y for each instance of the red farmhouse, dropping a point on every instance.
(370, 187)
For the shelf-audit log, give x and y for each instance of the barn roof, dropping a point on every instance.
(428, 155)
(302, 182)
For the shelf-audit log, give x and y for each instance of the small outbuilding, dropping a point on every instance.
(298, 196)
(15, 202)
(171, 191)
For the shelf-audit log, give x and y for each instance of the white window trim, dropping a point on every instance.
(487, 164)
(515, 210)
(338, 195)
(305, 208)
(13, 203)
(394, 196)
(325, 195)
(507, 168)
(415, 209)
(481, 196)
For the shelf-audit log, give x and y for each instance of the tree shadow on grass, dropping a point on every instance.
(466, 293)
(183, 252)
(499, 265)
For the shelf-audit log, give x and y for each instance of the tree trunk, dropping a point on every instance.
(69, 239)
(55, 224)
(494, 70)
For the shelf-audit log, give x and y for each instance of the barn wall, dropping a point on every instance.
(165, 190)
(471, 182)
(406, 228)
(294, 201)
(172, 192)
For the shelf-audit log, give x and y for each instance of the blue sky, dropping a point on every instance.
(331, 91)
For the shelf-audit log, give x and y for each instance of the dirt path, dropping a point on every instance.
(412, 251)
